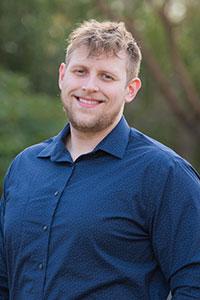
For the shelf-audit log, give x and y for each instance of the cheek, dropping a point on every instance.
(69, 82)
(111, 92)
(66, 90)
(116, 94)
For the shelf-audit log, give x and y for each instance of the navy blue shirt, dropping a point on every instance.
(121, 222)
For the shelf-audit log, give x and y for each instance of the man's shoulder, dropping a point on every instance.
(26, 160)
(35, 149)
(28, 156)
(145, 143)
(153, 151)
(160, 164)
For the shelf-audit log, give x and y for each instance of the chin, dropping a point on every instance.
(89, 126)
(86, 127)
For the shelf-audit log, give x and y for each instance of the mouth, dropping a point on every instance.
(88, 102)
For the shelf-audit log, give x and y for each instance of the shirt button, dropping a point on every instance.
(45, 227)
(40, 266)
(56, 193)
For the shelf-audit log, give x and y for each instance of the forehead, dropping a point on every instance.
(82, 56)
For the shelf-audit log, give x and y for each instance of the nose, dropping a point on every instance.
(90, 85)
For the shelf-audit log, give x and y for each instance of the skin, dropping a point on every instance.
(94, 90)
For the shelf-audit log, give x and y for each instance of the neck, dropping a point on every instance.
(79, 143)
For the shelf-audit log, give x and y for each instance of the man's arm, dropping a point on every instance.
(4, 294)
(176, 231)
(4, 289)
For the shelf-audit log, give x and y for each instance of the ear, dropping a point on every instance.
(62, 69)
(132, 88)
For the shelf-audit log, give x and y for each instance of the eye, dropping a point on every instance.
(79, 72)
(107, 77)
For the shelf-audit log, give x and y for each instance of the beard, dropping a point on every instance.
(92, 123)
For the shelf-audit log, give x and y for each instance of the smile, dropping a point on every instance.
(88, 102)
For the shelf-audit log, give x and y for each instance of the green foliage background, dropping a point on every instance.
(25, 118)
(32, 45)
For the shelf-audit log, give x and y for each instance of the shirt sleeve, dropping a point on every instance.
(3, 270)
(175, 229)
(4, 290)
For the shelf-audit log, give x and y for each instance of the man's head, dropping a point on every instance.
(99, 76)
(108, 38)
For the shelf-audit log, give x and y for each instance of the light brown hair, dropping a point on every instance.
(106, 38)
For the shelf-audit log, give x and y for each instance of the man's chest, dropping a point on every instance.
(101, 205)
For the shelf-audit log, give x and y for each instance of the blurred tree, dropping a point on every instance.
(33, 34)
(25, 118)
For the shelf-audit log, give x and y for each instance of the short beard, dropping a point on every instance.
(100, 125)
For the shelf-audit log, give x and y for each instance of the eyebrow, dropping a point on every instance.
(100, 71)
(78, 65)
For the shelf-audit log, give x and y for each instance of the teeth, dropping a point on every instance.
(88, 101)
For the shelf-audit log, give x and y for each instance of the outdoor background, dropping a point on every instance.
(32, 45)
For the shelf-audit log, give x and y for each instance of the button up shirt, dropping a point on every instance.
(121, 222)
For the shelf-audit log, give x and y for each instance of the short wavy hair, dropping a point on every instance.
(106, 38)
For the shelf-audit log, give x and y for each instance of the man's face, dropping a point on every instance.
(94, 89)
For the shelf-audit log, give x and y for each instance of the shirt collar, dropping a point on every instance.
(114, 143)
(55, 148)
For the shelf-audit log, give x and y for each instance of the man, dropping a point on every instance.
(100, 211)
